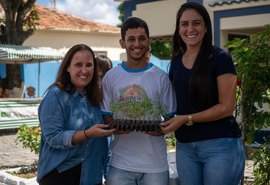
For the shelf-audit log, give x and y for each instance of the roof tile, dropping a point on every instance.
(51, 19)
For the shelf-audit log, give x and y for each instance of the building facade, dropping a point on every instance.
(230, 18)
(60, 30)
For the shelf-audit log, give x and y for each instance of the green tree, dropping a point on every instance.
(16, 26)
(252, 59)
(121, 16)
(162, 49)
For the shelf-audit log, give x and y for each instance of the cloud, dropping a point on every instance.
(103, 11)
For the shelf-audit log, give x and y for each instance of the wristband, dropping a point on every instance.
(84, 131)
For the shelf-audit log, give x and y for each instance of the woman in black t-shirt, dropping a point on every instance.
(209, 148)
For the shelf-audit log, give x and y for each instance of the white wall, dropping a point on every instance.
(159, 15)
(108, 42)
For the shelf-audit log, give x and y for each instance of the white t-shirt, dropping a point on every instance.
(136, 151)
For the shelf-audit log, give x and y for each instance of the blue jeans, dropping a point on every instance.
(210, 162)
(123, 177)
(107, 162)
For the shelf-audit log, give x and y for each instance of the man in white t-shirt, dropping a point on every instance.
(138, 158)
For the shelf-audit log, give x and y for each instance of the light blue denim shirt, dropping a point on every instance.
(60, 116)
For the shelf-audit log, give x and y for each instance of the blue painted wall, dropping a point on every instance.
(3, 71)
(40, 75)
(45, 73)
(129, 6)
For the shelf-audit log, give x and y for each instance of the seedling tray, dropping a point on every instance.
(136, 125)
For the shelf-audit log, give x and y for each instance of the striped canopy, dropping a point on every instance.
(15, 54)
(15, 112)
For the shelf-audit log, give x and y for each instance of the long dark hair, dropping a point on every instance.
(104, 64)
(63, 81)
(200, 84)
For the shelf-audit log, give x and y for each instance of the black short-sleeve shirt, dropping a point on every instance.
(179, 75)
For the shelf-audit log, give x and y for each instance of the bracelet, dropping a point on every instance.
(85, 134)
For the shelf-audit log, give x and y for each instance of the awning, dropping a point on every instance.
(15, 54)
(15, 112)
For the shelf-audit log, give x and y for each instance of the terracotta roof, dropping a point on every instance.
(51, 19)
(228, 2)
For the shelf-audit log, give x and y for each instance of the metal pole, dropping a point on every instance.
(38, 78)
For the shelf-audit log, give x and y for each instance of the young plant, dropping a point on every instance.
(137, 110)
(29, 137)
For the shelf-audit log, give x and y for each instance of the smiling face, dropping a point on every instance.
(81, 69)
(192, 28)
(136, 44)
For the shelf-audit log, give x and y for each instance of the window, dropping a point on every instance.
(97, 53)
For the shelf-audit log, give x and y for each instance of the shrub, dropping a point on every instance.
(29, 137)
(252, 59)
(261, 159)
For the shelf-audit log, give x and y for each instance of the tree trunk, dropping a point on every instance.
(17, 25)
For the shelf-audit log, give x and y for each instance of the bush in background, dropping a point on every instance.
(29, 137)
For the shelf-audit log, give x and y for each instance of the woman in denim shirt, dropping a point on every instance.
(73, 145)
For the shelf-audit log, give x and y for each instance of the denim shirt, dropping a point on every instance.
(60, 116)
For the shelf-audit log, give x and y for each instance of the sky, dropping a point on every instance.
(102, 11)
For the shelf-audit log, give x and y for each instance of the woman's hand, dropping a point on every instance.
(99, 130)
(173, 124)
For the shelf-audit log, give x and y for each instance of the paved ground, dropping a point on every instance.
(13, 154)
